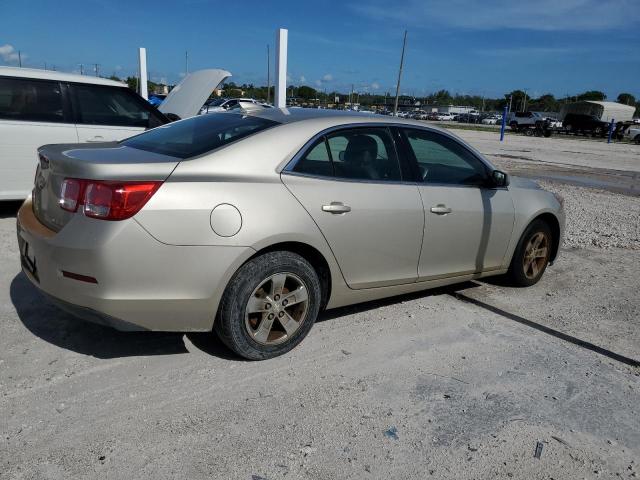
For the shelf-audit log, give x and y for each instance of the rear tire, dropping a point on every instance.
(636, 140)
(269, 305)
(531, 256)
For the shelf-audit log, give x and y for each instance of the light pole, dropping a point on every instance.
(404, 44)
(268, 74)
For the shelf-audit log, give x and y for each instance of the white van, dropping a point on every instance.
(39, 107)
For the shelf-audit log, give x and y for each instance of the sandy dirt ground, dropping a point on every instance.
(465, 382)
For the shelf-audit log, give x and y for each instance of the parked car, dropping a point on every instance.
(445, 117)
(212, 223)
(468, 118)
(156, 99)
(585, 124)
(520, 120)
(634, 135)
(492, 120)
(553, 122)
(223, 104)
(42, 106)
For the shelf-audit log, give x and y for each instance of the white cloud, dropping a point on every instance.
(375, 85)
(302, 79)
(327, 78)
(318, 83)
(9, 53)
(118, 68)
(547, 15)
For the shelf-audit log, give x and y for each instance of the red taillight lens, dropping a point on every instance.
(70, 194)
(117, 201)
(106, 200)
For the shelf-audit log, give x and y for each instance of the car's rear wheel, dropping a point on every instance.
(637, 140)
(532, 255)
(269, 305)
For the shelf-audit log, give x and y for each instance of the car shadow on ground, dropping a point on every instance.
(59, 328)
(374, 304)
(62, 329)
(9, 209)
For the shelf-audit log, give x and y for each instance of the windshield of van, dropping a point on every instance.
(197, 135)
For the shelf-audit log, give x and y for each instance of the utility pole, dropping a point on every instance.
(404, 43)
(268, 74)
(510, 102)
(186, 63)
(524, 101)
(20, 58)
(351, 98)
(95, 67)
(45, 65)
(81, 69)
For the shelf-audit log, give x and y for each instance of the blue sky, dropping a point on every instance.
(484, 47)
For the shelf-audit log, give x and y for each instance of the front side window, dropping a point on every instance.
(30, 100)
(98, 105)
(197, 135)
(443, 160)
(357, 154)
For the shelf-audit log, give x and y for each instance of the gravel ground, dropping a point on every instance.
(463, 382)
(596, 218)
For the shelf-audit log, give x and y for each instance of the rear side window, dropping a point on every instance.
(30, 100)
(356, 154)
(98, 105)
(198, 135)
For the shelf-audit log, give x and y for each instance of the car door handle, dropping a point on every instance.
(440, 209)
(97, 138)
(336, 207)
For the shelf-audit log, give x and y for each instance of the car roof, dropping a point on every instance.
(58, 76)
(298, 114)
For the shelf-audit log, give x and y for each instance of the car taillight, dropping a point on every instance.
(104, 199)
(70, 194)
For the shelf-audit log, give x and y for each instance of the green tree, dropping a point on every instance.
(306, 92)
(592, 95)
(626, 98)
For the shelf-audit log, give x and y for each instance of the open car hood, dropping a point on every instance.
(186, 98)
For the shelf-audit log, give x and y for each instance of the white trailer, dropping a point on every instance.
(605, 111)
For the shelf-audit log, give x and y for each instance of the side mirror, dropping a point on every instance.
(499, 179)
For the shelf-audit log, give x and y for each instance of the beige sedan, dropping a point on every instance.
(250, 224)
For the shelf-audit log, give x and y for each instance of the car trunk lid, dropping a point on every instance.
(186, 99)
(106, 161)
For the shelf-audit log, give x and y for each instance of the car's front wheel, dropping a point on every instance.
(531, 256)
(269, 305)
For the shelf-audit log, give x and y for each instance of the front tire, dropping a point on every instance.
(531, 256)
(269, 305)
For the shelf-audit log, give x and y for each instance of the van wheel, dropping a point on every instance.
(532, 255)
(269, 305)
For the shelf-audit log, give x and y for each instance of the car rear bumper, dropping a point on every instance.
(140, 283)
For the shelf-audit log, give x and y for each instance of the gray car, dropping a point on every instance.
(250, 224)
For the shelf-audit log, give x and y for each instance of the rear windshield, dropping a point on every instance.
(198, 135)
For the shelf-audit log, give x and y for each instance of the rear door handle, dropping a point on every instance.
(440, 209)
(336, 207)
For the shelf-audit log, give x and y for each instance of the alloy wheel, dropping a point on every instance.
(276, 309)
(536, 255)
